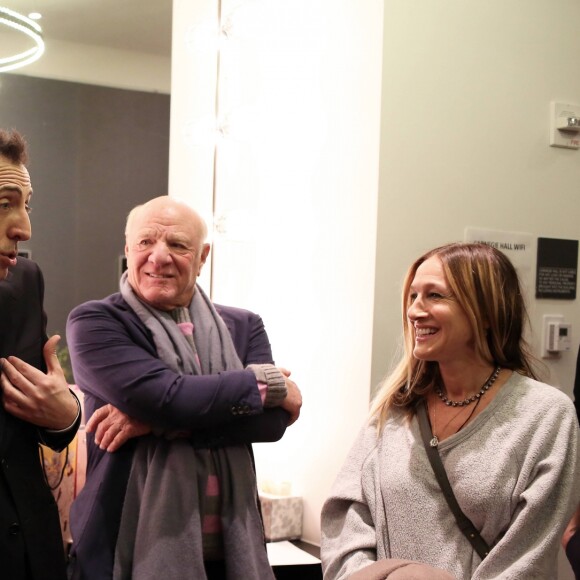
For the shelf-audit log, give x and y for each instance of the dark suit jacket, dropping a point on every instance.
(30, 536)
(115, 361)
(577, 386)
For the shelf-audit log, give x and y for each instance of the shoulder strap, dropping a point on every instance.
(464, 523)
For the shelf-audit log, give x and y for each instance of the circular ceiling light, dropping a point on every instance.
(28, 27)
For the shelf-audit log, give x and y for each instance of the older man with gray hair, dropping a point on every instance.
(176, 389)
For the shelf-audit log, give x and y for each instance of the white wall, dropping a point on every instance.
(464, 141)
(94, 65)
(297, 167)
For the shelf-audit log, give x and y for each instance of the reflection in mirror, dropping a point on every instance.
(95, 112)
(21, 40)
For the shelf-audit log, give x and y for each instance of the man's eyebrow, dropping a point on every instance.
(10, 188)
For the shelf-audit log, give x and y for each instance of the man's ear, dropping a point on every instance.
(204, 255)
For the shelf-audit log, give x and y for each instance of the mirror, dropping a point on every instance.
(95, 112)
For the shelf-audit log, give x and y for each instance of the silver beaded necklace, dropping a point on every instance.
(486, 386)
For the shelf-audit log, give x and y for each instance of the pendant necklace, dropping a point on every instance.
(435, 441)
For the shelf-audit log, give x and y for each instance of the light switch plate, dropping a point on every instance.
(547, 318)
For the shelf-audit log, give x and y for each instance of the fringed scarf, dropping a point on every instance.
(160, 534)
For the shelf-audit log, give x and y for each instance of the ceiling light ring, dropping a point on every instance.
(22, 24)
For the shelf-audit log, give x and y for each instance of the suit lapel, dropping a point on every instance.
(8, 306)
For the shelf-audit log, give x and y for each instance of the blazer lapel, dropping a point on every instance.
(8, 306)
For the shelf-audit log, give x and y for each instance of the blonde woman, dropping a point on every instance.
(507, 441)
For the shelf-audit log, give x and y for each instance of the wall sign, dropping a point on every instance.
(557, 269)
(519, 247)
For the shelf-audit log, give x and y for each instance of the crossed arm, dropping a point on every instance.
(113, 428)
(133, 393)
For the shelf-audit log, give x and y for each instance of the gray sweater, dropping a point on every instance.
(513, 471)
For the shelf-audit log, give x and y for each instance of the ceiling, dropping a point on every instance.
(137, 25)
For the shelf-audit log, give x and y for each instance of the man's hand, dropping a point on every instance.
(293, 401)
(113, 428)
(571, 528)
(41, 399)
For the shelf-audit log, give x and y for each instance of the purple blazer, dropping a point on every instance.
(114, 361)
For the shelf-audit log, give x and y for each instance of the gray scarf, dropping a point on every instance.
(160, 530)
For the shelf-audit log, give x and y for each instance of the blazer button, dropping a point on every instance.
(246, 410)
(13, 529)
(234, 410)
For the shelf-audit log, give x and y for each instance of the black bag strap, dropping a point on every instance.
(464, 523)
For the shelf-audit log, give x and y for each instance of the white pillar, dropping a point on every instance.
(296, 178)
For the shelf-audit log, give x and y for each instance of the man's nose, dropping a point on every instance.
(20, 230)
(160, 254)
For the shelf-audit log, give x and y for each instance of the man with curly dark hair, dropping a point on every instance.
(37, 407)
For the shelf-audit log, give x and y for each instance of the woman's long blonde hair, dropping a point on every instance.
(486, 286)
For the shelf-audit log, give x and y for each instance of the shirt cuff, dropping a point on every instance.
(263, 388)
(60, 431)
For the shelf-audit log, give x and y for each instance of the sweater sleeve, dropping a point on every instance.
(348, 541)
(544, 499)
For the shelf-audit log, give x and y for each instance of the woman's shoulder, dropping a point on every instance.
(537, 397)
(534, 388)
(365, 444)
